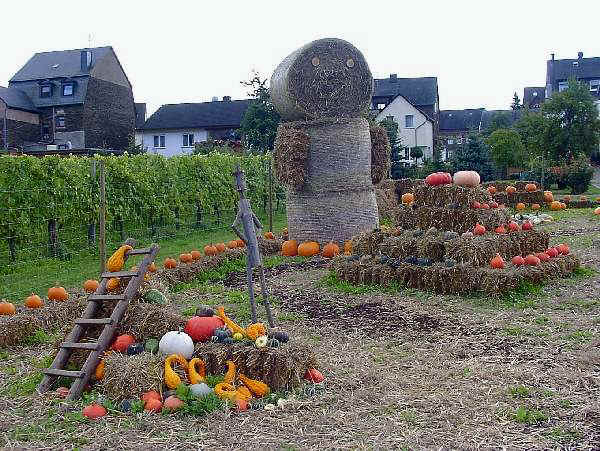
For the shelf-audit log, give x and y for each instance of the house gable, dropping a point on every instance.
(109, 69)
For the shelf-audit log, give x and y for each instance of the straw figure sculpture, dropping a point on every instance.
(323, 150)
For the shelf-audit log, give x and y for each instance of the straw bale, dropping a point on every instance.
(290, 155)
(145, 321)
(280, 368)
(269, 247)
(128, 377)
(528, 198)
(445, 195)
(326, 77)
(380, 153)
(15, 329)
(367, 243)
(387, 203)
(458, 220)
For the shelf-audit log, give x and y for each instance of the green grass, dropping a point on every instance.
(20, 279)
(592, 191)
(333, 283)
(526, 295)
(529, 416)
(520, 391)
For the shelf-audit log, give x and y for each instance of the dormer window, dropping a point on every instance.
(68, 89)
(46, 91)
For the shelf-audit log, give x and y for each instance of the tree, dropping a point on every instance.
(506, 149)
(473, 155)
(573, 126)
(500, 119)
(516, 104)
(416, 153)
(259, 124)
(397, 149)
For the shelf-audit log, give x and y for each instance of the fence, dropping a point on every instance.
(60, 217)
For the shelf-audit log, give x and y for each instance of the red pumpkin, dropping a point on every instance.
(530, 187)
(152, 394)
(485, 206)
(438, 178)
(517, 260)
(513, 226)
(527, 226)
(511, 189)
(532, 260)
(494, 204)
(314, 375)
(185, 258)
(535, 207)
(497, 262)
(476, 205)
(122, 342)
(543, 257)
(63, 392)
(500, 229)
(201, 328)
(173, 403)
(241, 405)
(552, 252)
(196, 255)
(94, 411)
(563, 249)
(153, 405)
(492, 189)
(170, 263)
(478, 229)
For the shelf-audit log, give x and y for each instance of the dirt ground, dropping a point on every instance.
(403, 369)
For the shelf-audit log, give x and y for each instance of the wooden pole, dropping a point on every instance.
(102, 219)
(270, 194)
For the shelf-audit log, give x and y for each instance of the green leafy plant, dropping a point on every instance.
(197, 406)
(525, 415)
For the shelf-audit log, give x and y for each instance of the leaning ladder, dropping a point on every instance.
(88, 319)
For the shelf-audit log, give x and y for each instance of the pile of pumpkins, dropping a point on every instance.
(497, 262)
(209, 251)
(291, 248)
(512, 226)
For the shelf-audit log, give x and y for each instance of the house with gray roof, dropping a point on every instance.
(586, 70)
(80, 99)
(414, 104)
(174, 129)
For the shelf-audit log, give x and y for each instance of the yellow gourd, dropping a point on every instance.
(113, 284)
(172, 379)
(196, 375)
(117, 260)
(230, 374)
(243, 393)
(99, 373)
(257, 388)
(253, 331)
(225, 391)
(229, 323)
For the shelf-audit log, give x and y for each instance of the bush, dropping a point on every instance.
(579, 175)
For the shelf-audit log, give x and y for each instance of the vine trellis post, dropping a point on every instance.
(102, 218)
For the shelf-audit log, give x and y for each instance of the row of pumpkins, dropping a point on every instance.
(497, 262)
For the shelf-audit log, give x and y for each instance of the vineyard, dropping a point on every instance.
(51, 206)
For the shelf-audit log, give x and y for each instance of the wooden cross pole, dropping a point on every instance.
(250, 223)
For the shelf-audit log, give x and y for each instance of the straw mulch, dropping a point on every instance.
(380, 154)
(280, 368)
(458, 220)
(458, 279)
(128, 377)
(291, 152)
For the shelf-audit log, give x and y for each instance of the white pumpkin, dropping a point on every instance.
(175, 342)
(467, 178)
(201, 389)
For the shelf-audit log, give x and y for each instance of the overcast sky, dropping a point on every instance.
(189, 51)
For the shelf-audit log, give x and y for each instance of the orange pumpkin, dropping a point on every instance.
(532, 260)
(408, 198)
(269, 236)
(152, 267)
(492, 189)
(511, 189)
(90, 285)
(153, 405)
(331, 250)
(520, 206)
(57, 293)
(209, 250)
(289, 248)
(563, 249)
(232, 244)
(33, 301)
(220, 247)
(563, 206)
(196, 255)
(308, 249)
(113, 284)
(240, 243)
(348, 247)
(7, 308)
(530, 187)
(548, 196)
(185, 258)
(170, 263)
(555, 205)
(497, 262)
(478, 229)
(535, 206)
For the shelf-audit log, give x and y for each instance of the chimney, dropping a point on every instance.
(226, 98)
(86, 60)
(552, 56)
(579, 55)
(393, 78)
(215, 99)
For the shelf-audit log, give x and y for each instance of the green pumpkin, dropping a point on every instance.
(151, 345)
(154, 296)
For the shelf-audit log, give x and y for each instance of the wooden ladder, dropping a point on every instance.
(98, 347)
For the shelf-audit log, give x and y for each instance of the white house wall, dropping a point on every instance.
(173, 141)
(415, 136)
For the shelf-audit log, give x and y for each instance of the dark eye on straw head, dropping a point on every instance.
(315, 61)
(350, 62)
